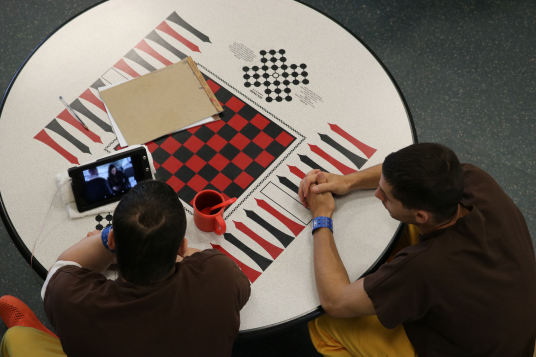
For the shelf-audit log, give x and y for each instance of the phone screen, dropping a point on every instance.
(108, 180)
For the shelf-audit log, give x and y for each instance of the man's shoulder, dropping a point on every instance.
(70, 276)
(411, 262)
(71, 282)
(73, 273)
(476, 176)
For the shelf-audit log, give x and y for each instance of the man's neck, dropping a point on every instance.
(428, 228)
(172, 271)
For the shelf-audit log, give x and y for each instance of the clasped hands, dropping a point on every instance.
(316, 192)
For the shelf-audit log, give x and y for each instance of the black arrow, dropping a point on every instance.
(263, 262)
(307, 161)
(134, 56)
(358, 161)
(58, 129)
(153, 36)
(174, 17)
(285, 181)
(79, 107)
(285, 239)
(98, 83)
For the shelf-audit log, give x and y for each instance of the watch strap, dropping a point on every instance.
(104, 237)
(323, 222)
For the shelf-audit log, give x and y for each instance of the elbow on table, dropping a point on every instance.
(334, 308)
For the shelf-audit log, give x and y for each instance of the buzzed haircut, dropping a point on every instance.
(426, 176)
(149, 224)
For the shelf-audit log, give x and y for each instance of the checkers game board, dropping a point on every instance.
(227, 155)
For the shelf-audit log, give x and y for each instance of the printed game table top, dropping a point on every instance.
(299, 92)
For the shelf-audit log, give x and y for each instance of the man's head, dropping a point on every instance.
(421, 183)
(93, 171)
(149, 225)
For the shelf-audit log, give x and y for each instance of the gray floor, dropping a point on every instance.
(467, 70)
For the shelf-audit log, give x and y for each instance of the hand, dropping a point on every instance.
(185, 251)
(190, 251)
(89, 234)
(325, 182)
(320, 204)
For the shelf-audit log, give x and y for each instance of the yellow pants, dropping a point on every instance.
(22, 341)
(363, 336)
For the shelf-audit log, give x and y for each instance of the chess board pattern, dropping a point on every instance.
(227, 155)
(276, 75)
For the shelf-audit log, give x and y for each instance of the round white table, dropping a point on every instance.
(299, 92)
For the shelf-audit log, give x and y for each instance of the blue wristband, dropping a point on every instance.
(104, 236)
(322, 222)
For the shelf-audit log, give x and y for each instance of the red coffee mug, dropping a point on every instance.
(209, 222)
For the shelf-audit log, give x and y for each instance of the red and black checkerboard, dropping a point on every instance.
(227, 155)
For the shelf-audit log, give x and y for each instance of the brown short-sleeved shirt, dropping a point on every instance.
(195, 312)
(468, 289)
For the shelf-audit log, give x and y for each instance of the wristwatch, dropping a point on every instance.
(104, 237)
(322, 222)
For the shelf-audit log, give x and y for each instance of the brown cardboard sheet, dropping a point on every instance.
(160, 102)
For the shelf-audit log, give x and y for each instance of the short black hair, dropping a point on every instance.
(426, 176)
(149, 225)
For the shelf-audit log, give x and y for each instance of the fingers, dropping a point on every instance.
(305, 184)
(301, 189)
(322, 184)
(321, 178)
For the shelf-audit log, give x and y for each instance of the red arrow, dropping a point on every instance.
(345, 170)
(269, 247)
(66, 116)
(164, 27)
(90, 97)
(296, 171)
(143, 46)
(296, 228)
(43, 137)
(365, 149)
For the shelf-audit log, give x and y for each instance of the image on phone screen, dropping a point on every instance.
(109, 180)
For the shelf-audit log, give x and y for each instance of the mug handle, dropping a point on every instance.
(219, 225)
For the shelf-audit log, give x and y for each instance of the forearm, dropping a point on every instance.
(89, 253)
(368, 178)
(189, 251)
(330, 273)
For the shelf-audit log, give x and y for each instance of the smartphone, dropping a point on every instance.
(108, 179)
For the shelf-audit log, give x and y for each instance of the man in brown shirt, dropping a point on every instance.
(169, 300)
(468, 288)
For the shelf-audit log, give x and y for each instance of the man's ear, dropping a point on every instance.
(111, 240)
(421, 217)
(182, 248)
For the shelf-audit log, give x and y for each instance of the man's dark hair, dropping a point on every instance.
(149, 225)
(426, 176)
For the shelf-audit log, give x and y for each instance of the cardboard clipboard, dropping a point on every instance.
(160, 102)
